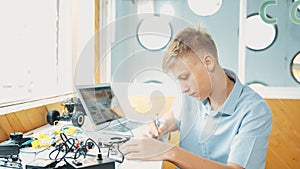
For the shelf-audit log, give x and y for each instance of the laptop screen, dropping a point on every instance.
(99, 102)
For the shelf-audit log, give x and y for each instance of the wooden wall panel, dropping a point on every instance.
(24, 117)
(284, 144)
(15, 123)
(25, 120)
(3, 135)
(37, 116)
(5, 127)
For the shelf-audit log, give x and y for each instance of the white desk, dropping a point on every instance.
(27, 157)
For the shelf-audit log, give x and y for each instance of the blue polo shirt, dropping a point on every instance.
(238, 132)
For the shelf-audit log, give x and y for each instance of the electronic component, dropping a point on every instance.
(11, 147)
(41, 163)
(90, 163)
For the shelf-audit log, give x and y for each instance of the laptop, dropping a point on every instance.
(103, 109)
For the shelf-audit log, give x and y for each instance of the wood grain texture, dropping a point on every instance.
(5, 127)
(37, 117)
(3, 135)
(97, 42)
(284, 144)
(24, 120)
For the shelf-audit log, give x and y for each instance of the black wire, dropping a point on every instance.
(118, 148)
(89, 139)
(67, 146)
(63, 147)
(59, 149)
(64, 138)
(78, 151)
(119, 151)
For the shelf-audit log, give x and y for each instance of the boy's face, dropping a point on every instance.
(192, 76)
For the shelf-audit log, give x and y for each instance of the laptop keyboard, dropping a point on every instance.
(126, 126)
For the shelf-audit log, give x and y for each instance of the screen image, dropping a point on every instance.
(99, 104)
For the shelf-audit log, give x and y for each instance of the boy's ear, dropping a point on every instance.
(209, 62)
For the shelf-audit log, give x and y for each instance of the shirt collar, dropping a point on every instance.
(231, 101)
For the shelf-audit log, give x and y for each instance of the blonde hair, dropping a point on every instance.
(189, 40)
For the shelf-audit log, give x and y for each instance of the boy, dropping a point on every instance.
(224, 124)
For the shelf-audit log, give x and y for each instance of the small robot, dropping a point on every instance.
(72, 111)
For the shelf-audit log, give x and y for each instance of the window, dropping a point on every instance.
(28, 55)
(32, 64)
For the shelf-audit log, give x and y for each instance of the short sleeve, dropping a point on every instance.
(249, 146)
(178, 123)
